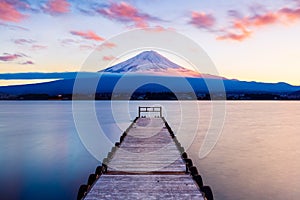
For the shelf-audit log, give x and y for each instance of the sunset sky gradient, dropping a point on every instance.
(247, 40)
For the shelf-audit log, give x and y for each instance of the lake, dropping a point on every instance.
(43, 153)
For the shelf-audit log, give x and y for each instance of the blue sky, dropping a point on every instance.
(247, 40)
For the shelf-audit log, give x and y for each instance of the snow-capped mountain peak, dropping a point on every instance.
(152, 63)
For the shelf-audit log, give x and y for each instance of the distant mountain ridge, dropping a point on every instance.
(109, 81)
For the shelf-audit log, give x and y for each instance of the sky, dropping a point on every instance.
(246, 39)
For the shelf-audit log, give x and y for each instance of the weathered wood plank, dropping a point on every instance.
(144, 187)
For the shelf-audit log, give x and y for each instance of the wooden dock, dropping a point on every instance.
(147, 163)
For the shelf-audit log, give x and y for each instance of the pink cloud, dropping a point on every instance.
(109, 44)
(68, 42)
(237, 36)
(57, 6)
(290, 14)
(108, 58)
(263, 20)
(23, 41)
(18, 58)
(106, 45)
(160, 29)
(27, 63)
(8, 12)
(29, 43)
(10, 57)
(89, 35)
(20, 4)
(202, 20)
(38, 47)
(124, 12)
(87, 47)
(243, 27)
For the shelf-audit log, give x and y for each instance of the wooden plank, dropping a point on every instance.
(144, 187)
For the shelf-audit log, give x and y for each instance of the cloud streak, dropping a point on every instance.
(291, 15)
(69, 42)
(243, 27)
(108, 58)
(10, 57)
(239, 34)
(9, 12)
(89, 35)
(109, 44)
(13, 27)
(32, 44)
(202, 20)
(23, 41)
(87, 47)
(18, 58)
(55, 7)
(28, 62)
(36, 47)
(126, 13)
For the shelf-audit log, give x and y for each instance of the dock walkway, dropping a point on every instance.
(147, 163)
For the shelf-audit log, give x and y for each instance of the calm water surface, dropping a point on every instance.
(256, 157)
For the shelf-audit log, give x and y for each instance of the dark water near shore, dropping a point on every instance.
(256, 157)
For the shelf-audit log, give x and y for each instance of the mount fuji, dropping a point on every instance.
(151, 63)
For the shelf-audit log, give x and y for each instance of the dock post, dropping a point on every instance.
(160, 111)
(139, 112)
